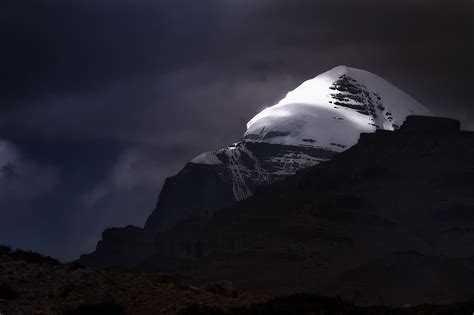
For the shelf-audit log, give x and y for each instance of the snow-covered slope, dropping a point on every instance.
(250, 163)
(323, 116)
(332, 109)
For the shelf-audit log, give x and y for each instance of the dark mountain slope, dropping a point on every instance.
(199, 190)
(389, 220)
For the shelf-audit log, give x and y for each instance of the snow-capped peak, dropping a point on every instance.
(320, 118)
(331, 110)
(317, 120)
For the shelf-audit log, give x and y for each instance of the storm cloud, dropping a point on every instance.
(109, 97)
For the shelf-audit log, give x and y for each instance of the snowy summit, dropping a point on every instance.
(320, 118)
(332, 109)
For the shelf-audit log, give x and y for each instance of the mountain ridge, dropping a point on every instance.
(304, 129)
(323, 116)
(393, 211)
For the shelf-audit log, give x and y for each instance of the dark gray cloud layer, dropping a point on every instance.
(101, 100)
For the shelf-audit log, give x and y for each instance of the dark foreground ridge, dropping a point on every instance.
(389, 221)
(34, 284)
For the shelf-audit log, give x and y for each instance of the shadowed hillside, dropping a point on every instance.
(31, 283)
(388, 221)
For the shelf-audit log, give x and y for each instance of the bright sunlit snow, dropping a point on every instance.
(310, 112)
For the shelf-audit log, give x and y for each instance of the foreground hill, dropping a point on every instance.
(34, 284)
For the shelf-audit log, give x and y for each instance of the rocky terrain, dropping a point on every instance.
(34, 284)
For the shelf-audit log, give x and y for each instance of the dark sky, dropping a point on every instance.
(100, 100)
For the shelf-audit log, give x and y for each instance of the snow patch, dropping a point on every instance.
(206, 158)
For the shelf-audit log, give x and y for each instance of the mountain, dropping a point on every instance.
(388, 221)
(319, 119)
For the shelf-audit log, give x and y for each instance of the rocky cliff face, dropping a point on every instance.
(390, 220)
(201, 189)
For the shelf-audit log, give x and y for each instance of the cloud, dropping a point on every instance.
(23, 183)
(21, 180)
(133, 169)
(126, 195)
